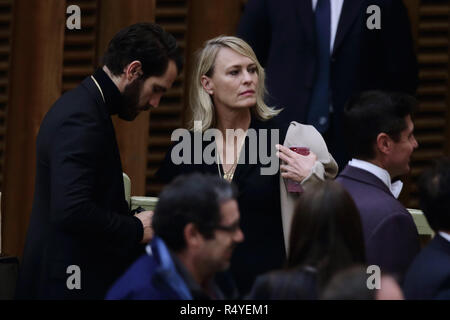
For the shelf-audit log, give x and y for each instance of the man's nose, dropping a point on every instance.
(415, 143)
(154, 101)
(239, 236)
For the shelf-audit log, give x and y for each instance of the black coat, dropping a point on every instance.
(80, 216)
(282, 34)
(259, 205)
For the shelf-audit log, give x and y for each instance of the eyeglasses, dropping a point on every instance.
(231, 228)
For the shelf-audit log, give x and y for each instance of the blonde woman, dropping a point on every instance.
(234, 134)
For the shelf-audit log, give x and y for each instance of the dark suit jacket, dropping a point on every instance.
(259, 205)
(80, 216)
(282, 34)
(429, 275)
(390, 235)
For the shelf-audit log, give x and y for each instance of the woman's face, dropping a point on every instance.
(234, 81)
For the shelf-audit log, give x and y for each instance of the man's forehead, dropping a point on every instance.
(409, 123)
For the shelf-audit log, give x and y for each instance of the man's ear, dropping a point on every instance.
(207, 84)
(384, 143)
(133, 70)
(192, 236)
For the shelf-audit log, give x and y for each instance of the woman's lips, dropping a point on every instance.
(248, 92)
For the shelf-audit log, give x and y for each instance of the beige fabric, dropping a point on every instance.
(301, 135)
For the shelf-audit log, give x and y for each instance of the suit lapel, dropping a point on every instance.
(366, 177)
(350, 10)
(306, 17)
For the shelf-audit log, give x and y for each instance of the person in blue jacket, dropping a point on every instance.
(196, 228)
(429, 274)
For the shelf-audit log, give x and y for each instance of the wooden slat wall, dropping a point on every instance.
(34, 84)
(6, 16)
(172, 16)
(432, 35)
(5, 51)
(132, 137)
(80, 45)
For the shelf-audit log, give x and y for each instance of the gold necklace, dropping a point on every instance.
(229, 174)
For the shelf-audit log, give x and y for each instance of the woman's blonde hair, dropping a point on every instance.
(201, 102)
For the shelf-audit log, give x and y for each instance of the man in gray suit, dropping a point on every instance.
(380, 129)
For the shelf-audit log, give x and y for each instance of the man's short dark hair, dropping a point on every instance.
(194, 198)
(147, 43)
(434, 190)
(370, 113)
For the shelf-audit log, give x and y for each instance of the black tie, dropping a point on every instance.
(319, 107)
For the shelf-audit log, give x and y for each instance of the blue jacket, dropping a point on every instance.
(429, 275)
(152, 277)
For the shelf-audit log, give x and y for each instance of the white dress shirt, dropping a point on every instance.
(445, 235)
(336, 8)
(380, 173)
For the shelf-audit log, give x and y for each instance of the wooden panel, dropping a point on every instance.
(432, 34)
(172, 15)
(5, 50)
(80, 46)
(132, 137)
(35, 83)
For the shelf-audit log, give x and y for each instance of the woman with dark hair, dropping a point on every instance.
(326, 237)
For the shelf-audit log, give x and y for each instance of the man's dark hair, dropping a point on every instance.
(194, 198)
(370, 113)
(147, 43)
(434, 192)
(326, 231)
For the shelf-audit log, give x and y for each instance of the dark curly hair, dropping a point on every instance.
(144, 42)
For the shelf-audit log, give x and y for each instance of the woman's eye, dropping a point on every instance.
(234, 72)
(252, 70)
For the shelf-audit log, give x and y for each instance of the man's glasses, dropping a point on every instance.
(231, 228)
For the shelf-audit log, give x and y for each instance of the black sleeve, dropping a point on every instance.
(74, 160)
(168, 170)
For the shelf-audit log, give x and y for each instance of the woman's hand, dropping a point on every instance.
(295, 166)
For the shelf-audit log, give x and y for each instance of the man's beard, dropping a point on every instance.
(130, 101)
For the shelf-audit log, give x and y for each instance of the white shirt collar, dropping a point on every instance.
(444, 235)
(380, 173)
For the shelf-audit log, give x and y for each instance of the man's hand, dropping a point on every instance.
(146, 219)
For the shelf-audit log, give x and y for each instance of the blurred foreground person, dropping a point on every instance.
(326, 237)
(352, 284)
(429, 275)
(196, 226)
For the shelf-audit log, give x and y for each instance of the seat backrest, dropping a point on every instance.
(423, 228)
(127, 187)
